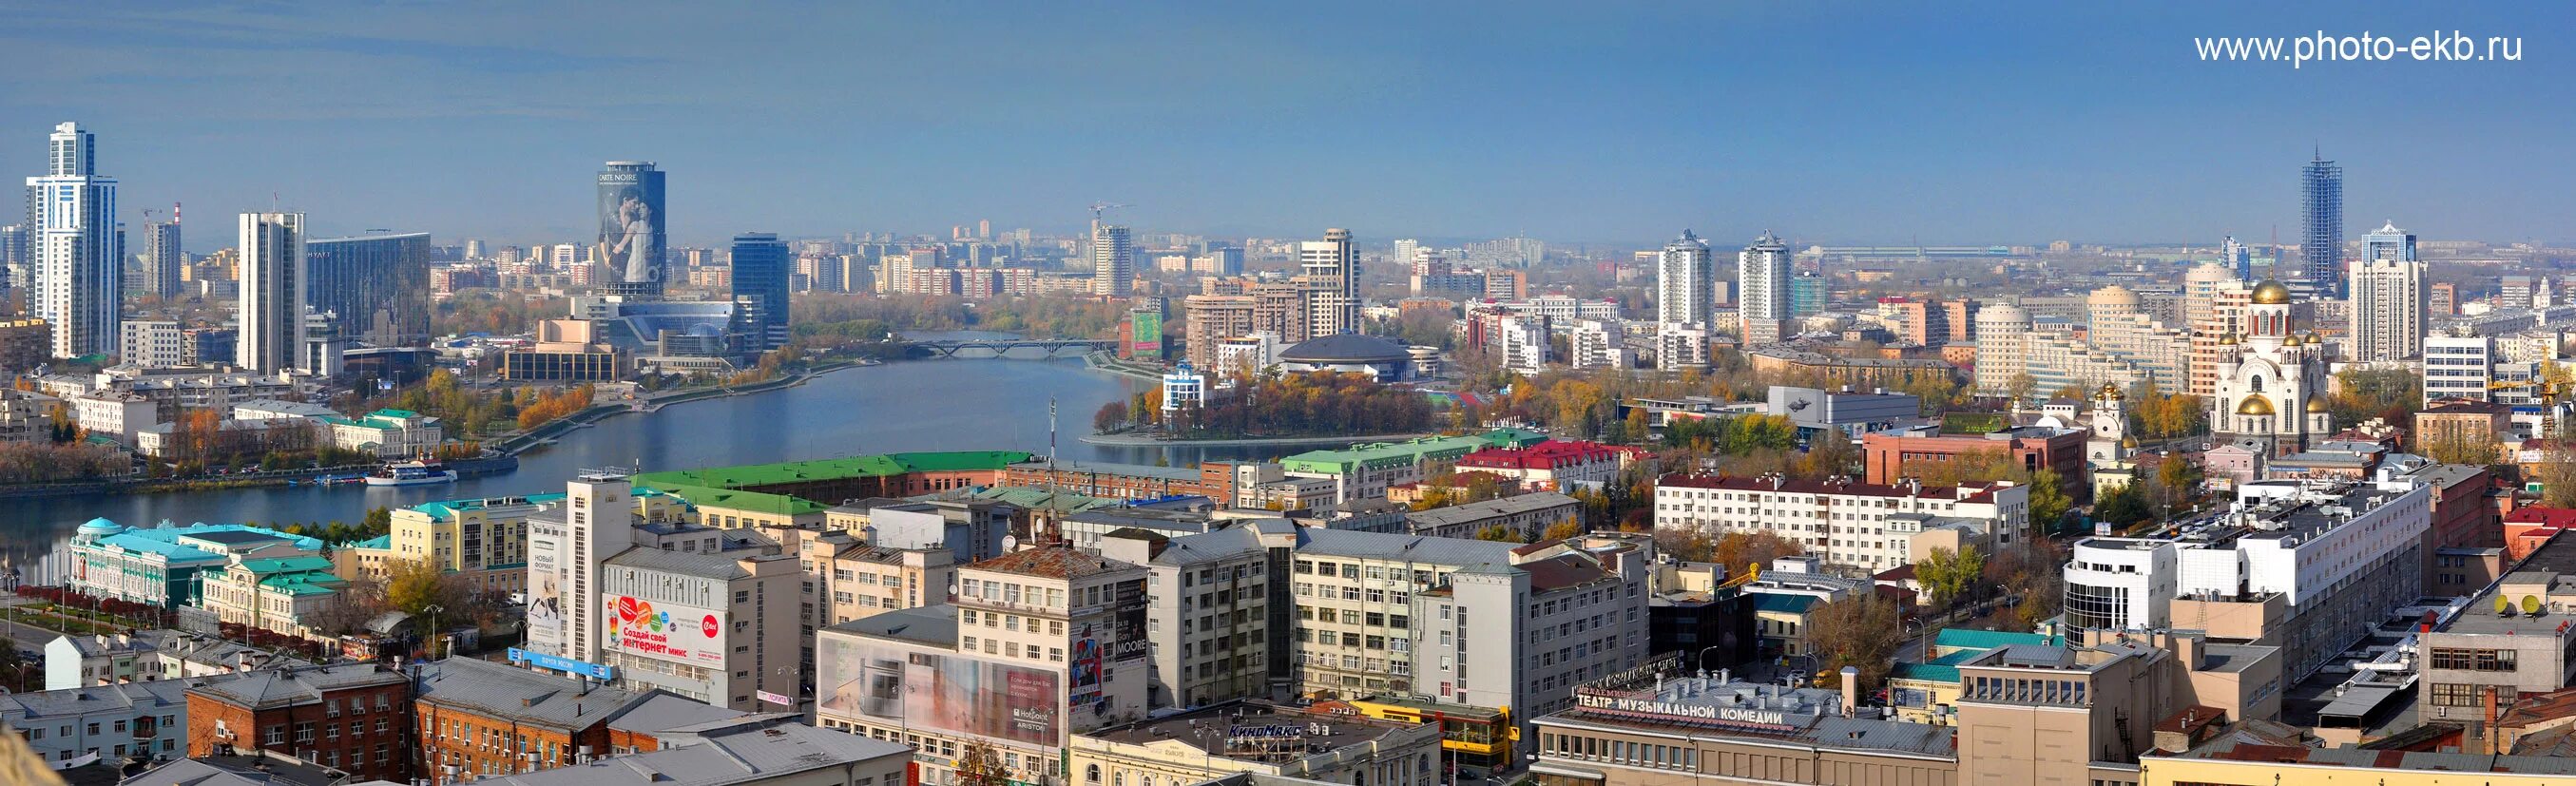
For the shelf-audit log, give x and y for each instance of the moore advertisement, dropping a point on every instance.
(668, 631)
(926, 690)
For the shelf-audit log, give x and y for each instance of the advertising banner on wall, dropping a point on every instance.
(925, 690)
(1128, 611)
(664, 630)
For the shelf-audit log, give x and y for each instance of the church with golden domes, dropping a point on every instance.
(2272, 381)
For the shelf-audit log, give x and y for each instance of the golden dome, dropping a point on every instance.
(2316, 405)
(2255, 404)
(2271, 293)
(2228, 340)
(2108, 391)
(2129, 442)
(2292, 341)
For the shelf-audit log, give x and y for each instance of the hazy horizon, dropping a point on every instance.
(1842, 123)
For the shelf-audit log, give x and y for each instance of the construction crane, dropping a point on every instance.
(2549, 392)
(1752, 573)
(1097, 208)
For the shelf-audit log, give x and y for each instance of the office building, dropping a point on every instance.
(715, 627)
(374, 287)
(15, 256)
(1113, 260)
(1330, 269)
(2236, 258)
(760, 268)
(1039, 645)
(2444, 300)
(156, 345)
(2307, 566)
(2321, 244)
(274, 281)
(1762, 290)
(1267, 605)
(78, 281)
(1210, 319)
(1873, 526)
(162, 566)
(633, 231)
(2388, 299)
(162, 257)
(1685, 282)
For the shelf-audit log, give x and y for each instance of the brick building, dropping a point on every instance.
(481, 719)
(1214, 480)
(2029, 448)
(354, 717)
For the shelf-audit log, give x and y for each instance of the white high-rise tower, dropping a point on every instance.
(1762, 291)
(1331, 269)
(1685, 282)
(1113, 260)
(2388, 298)
(273, 286)
(79, 279)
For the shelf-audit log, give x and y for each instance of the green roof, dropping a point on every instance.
(305, 583)
(754, 501)
(1982, 640)
(286, 565)
(395, 413)
(377, 542)
(754, 475)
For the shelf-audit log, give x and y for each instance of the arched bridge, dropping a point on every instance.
(1003, 346)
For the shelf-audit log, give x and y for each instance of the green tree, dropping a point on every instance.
(2048, 501)
(1860, 631)
(1948, 576)
(2122, 506)
(978, 765)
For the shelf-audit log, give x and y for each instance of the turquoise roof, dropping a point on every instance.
(1788, 604)
(1981, 640)
(377, 542)
(286, 565)
(446, 509)
(164, 541)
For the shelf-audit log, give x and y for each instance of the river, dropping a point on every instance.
(967, 403)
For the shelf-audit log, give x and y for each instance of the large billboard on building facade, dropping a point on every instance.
(1128, 610)
(891, 685)
(664, 630)
(545, 620)
(632, 229)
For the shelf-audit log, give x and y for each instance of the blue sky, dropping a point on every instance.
(1602, 122)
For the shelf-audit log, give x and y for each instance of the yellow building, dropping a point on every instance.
(285, 595)
(1479, 740)
(484, 540)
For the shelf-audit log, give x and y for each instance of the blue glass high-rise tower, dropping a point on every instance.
(761, 266)
(2321, 248)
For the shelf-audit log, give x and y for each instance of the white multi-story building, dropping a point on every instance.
(1184, 388)
(1379, 614)
(2318, 562)
(718, 628)
(1680, 347)
(79, 277)
(1113, 260)
(2458, 367)
(2388, 298)
(1685, 282)
(1762, 294)
(1843, 521)
(1040, 645)
(274, 282)
(1521, 343)
(1331, 269)
(2003, 346)
(1600, 343)
(156, 345)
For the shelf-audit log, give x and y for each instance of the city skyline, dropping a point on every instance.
(494, 120)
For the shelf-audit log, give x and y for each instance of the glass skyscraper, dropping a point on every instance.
(761, 266)
(2321, 248)
(376, 287)
(78, 280)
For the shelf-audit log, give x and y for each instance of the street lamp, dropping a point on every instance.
(1702, 659)
(433, 610)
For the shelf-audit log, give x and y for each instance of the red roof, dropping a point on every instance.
(1544, 455)
(2553, 517)
(1847, 487)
